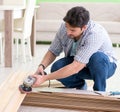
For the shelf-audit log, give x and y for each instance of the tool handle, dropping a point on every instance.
(44, 73)
(115, 93)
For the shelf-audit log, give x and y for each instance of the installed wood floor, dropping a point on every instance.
(30, 67)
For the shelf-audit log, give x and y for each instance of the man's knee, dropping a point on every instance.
(99, 65)
(61, 63)
(56, 66)
(98, 58)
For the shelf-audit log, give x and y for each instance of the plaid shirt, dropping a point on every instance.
(94, 38)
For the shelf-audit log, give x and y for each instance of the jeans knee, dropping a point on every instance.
(61, 63)
(56, 66)
(98, 58)
(99, 66)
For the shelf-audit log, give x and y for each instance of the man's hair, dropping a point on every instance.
(77, 17)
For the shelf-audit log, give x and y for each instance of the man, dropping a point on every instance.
(88, 53)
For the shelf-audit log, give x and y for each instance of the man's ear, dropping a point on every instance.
(84, 27)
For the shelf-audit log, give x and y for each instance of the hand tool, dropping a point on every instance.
(26, 87)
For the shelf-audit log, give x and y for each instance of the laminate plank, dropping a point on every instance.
(72, 101)
(9, 90)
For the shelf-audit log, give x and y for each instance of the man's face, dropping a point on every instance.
(74, 32)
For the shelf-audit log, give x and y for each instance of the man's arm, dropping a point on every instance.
(48, 58)
(66, 71)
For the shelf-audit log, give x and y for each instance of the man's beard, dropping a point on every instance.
(73, 37)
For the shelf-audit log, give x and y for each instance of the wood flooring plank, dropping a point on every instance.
(72, 101)
(10, 90)
(15, 102)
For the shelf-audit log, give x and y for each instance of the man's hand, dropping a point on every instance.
(40, 70)
(39, 80)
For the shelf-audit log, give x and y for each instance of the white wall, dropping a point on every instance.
(14, 2)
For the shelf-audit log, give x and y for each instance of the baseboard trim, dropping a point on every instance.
(43, 42)
(49, 42)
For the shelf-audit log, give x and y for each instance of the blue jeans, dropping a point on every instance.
(98, 69)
